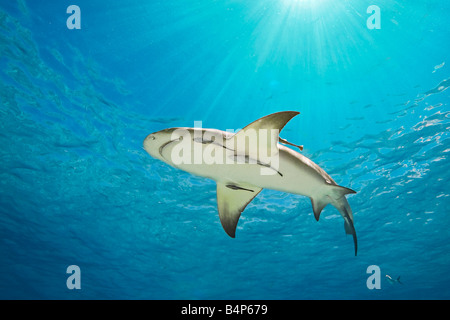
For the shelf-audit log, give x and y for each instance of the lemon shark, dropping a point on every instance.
(245, 162)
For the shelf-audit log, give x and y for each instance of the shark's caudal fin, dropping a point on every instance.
(231, 201)
(334, 195)
(350, 229)
(335, 192)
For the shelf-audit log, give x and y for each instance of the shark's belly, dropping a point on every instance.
(288, 173)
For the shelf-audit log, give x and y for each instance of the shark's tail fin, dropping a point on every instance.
(336, 196)
(398, 280)
(350, 229)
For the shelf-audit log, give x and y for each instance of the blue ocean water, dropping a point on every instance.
(77, 188)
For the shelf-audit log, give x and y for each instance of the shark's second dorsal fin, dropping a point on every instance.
(272, 123)
(231, 201)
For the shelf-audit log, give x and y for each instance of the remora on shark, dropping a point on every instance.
(245, 169)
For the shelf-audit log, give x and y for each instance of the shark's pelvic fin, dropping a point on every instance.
(231, 201)
(273, 123)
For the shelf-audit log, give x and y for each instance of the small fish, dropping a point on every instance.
(438, 66)
(439, 88)
(393, 281)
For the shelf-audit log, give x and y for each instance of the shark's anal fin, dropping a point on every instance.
(231, 201)
(318, 205)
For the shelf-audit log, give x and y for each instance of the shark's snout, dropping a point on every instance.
(149, 142)
(156, 141)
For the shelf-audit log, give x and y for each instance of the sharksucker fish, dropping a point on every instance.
(248, 161)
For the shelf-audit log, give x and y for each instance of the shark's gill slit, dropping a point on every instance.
(161, 148)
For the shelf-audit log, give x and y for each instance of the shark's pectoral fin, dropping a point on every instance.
(231, 201)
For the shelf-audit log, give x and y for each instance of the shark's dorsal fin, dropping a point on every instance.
(231, 201)
(272, 123)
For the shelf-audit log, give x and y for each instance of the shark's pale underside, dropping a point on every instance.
(242, 169)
